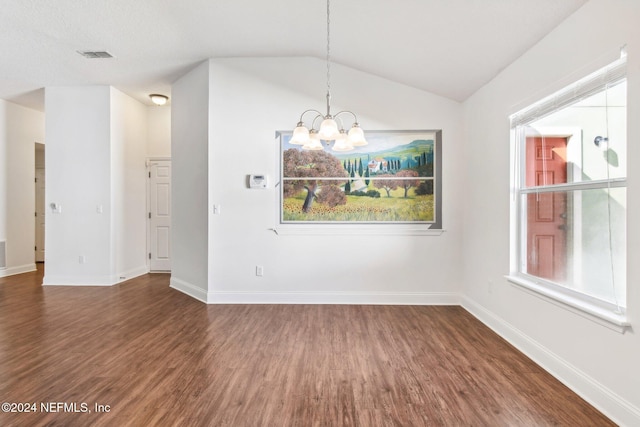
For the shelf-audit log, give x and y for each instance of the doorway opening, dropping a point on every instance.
(40, 213)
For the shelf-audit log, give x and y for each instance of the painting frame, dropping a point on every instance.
(394, 181)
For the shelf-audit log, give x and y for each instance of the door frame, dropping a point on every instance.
(149, 162)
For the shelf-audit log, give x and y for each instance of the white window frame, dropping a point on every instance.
(602, 312)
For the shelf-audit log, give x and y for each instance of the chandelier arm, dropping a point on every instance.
(319, 116)
(307, 111)
(355, 118)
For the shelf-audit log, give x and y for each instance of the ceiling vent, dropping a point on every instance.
(95, 54)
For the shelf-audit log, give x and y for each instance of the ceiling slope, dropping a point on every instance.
(450, 48)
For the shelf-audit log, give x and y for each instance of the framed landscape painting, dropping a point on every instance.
(395, 179)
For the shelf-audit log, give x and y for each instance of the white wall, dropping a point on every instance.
(4, 132)
(252, 98)
(159, 131)
(128, 185)
(96, 143)
(78, 178)
(189, 195)
(20, 128)
(597, 362)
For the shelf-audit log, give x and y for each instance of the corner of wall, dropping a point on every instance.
(604, 399)
(191, 290)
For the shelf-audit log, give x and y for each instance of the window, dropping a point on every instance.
(394, 183)
(569, 201)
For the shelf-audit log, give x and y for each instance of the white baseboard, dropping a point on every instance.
(94, 280)
(619, 410)
(10, 271)
(131, 273)
(189, 289)
(77, 281)
(362, 298)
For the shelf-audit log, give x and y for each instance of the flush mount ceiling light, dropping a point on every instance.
(329, 130)
(158, 99)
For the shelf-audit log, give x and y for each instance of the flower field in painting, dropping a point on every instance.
(363, 209)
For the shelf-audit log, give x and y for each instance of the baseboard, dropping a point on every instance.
(189, 289)
(131, 273)
(356, 298)
(10, 271)
(94, 280)
(77, 281)
(605, 400)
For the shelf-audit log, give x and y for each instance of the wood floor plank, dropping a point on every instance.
(158, 357)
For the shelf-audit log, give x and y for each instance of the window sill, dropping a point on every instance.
(615, 321)
(354, 230)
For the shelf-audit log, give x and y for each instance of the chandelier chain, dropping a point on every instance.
(328, 50)
(329, 130)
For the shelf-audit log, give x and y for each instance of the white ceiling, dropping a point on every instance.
(447, 47)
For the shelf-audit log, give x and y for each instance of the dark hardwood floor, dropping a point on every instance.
(159, 358)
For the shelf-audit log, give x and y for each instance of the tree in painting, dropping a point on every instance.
(313, 164)
(386, 184)
(411, 180)
(424, 188)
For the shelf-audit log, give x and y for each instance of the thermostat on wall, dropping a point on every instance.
(258, 181)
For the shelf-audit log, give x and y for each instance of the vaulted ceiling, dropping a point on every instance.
(447, 47)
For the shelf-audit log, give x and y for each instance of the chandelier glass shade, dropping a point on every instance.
(330, 127)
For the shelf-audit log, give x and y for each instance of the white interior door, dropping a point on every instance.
(160, 215)
(40, 215)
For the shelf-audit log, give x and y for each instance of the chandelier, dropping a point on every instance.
(329, 130)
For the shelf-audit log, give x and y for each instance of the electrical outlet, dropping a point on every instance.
(259, 270)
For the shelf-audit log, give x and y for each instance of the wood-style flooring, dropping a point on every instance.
(155, 357)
